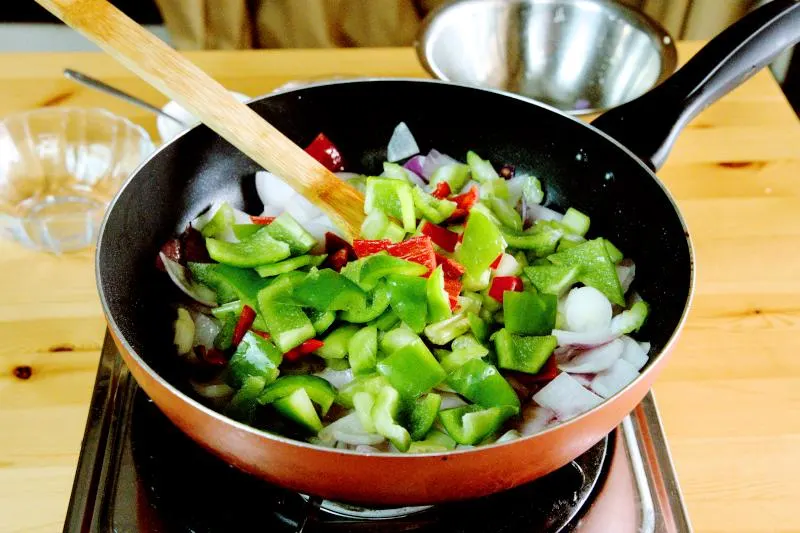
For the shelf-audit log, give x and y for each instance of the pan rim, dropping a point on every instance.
(116, 332)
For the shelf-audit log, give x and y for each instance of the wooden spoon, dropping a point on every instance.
(181, 80)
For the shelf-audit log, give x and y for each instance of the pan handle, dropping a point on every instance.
(649, 125)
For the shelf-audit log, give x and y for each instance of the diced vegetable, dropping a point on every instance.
(362, 350)
(523, 353)
(423, 415)
(408, 299)
(482, 243)
(402, 144)
(630, 320)
(596, 268)
(587, 309)
(443, 332)
(324, 151)
(594, 360)
(552, 279)
(393, 197)
(258, 249)
(319, 390)
(384, 416)
(471, 424)
(184, 331)
(575, 221)
(412, 370)
(566, 397)
(482, 383)
(254, 357)
(438, 299)
(287, 324)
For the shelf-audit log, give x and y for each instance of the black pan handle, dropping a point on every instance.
(649, 124)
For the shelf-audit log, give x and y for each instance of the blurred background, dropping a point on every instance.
(232, 24)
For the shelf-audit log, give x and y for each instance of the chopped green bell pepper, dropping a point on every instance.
(364, 402)
(482, 383)
(397, 338)
(242, 406)
(393, 232)
(374, 225)
(256, 250)
(523, 353)
(532, 190)
(372, 384)
(478, 327)
(319, 390)
(631, 319)
(494, 188)
(465, 348)
(371, 310)
(368, 271)
(412, 370)
(286, 229)
(471, 424)
(482, 170)
(470, 302)
(362, 350)
(255, 356)
(384, 416)
(613, 252)
(286, 322)
(529, 314)
(230, 283)
(221, 221)
(407, 297)
(387, 320)
(576, 222)
(327, 290)
(507, 214)
(243, 231)
(287, 265)
(224, 338)
(431, 208)
(552, 279)
(321, 320)
(454, 174)
(596, 268)
(423, 415)
(337, 342)
(541, 239)
(438, 298)
(443, 332)
(393, 197)
(435, 442)
(298, 408)
(482, 244)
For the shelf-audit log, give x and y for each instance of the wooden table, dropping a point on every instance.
(730, 398)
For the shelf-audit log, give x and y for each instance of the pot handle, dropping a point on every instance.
(649, 125)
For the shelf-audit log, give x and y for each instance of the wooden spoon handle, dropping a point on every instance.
(181, 80)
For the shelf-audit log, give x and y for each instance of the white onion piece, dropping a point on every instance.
(508, 266)
(201, 220)
(566, 397)
(464, 447)
(626, 273)
(318, 227)
(633, 353)
(337, 378)
(180, 277)
(184, 332)
(349, 430)
(344, 176)
(362, 448)
(588, 339)
(213, 390)
(594, 360)
(434, 160)
(613, 380)
(587, 309)
(515, 186)
(356, 439)
(205, 330)
(272, 210)
(584, 379)
(240, 217)
(402, 144)
(532, 212)
(450, 400)
(536, 418)
(301, 209)
(415, 179)
(508, 436)
(271, 189)
(645, 346)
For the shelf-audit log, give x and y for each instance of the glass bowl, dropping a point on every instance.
(59, 168)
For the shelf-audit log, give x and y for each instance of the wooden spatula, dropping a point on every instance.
(181, 80)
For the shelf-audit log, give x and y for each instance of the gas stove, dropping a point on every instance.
(137, 472)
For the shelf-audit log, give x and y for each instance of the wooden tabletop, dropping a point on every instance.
(730, 397)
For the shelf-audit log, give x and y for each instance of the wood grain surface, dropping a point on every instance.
(730, 397)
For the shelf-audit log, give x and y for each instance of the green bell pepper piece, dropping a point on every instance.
(362, 350)
(552, 279)
(477, 283)
(321, 320)
(576, 222)
(470, 344)
(286, 229)
(393, 197)
(541, 239)
(287, 265)
(337, 342)
(482, 243)
(495, 188)
(327, 290)
(532, 190)
(471, 424)
(242, 406)
(255, 356)
(432, 208)
(394, 171)
(368, 271)
(371, 384)
(613, 252)
(412, 370)
(454, 174)
(443, 332)
(374, 225)
(286, 322)
(527, 313)
(387, 320)
(470, 302)
(482, 383)
(438, 298)
(221, 221)
(371, 310)
(319, 390)
(363, 403)
(393, 232)
(423, 415)
(507, 215)
(243, 231)
(523, 353)
(230, 283)
(298, 408)
(482, 170)
(465, 348)
(595, 268)
(384, 416)
(397, 338)
(224, 338)
(631, 319)
(258, 249)
(478, 327)
(435, 442)
(408, 300)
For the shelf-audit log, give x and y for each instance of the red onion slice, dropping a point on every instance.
(415, 164)
(566, 397)
(613, 380)
(594, 360)
(402, 144)
(180, 277)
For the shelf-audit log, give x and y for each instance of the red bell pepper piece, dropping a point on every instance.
(336, 260)
(334, 243)
(501, 284)
(441, 236)
(324, 151)
(417, 249)
(453, 288)
(262, 334)
(306, 348)
(442, 190)
(245, 322)
(213, 356)
(464, 203)
(451, 268)
(261, 220)
(496, 262)
(365, 247)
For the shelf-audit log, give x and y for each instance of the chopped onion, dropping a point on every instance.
(415, 164)
(415, 179)
(402, 144)
(588, 339)
(508, 436)
(271, 189)
(362, 448)
(536, 418)
(433, 161)
(633, 353)
(450, 400)
(515, 186)
(532, 212)
(180, 277)
(645, 346)
(201, 220)
(613, 380)
(587, 309)
(337, 378)
(356, 439)
(626, 273)
(566, 397)
(508, 266)
(215, 390)
(349, 430)
(594, 360)
(584, 379)
(318, 227)
(464, 447)
(301, 209)
(184, 331)
(205, 330)
(272, 210)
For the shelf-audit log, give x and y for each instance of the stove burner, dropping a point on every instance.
(347, 510)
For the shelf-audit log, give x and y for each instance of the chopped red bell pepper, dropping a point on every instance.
(440, 236)
(262, 334)
(451, 268)
(213, 356)
(336, 260)
(417, 249)
(306, 348)
(261, 220)
(442, 190)
(324, 151)
(365, 247)
(453, 288)
(496, 262)
(464, 203)
(245, 322)
(501, 284)
(334, 243)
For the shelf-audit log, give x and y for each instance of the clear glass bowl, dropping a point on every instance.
(59, 168)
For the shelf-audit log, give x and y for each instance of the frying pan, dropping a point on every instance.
(605, 170)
